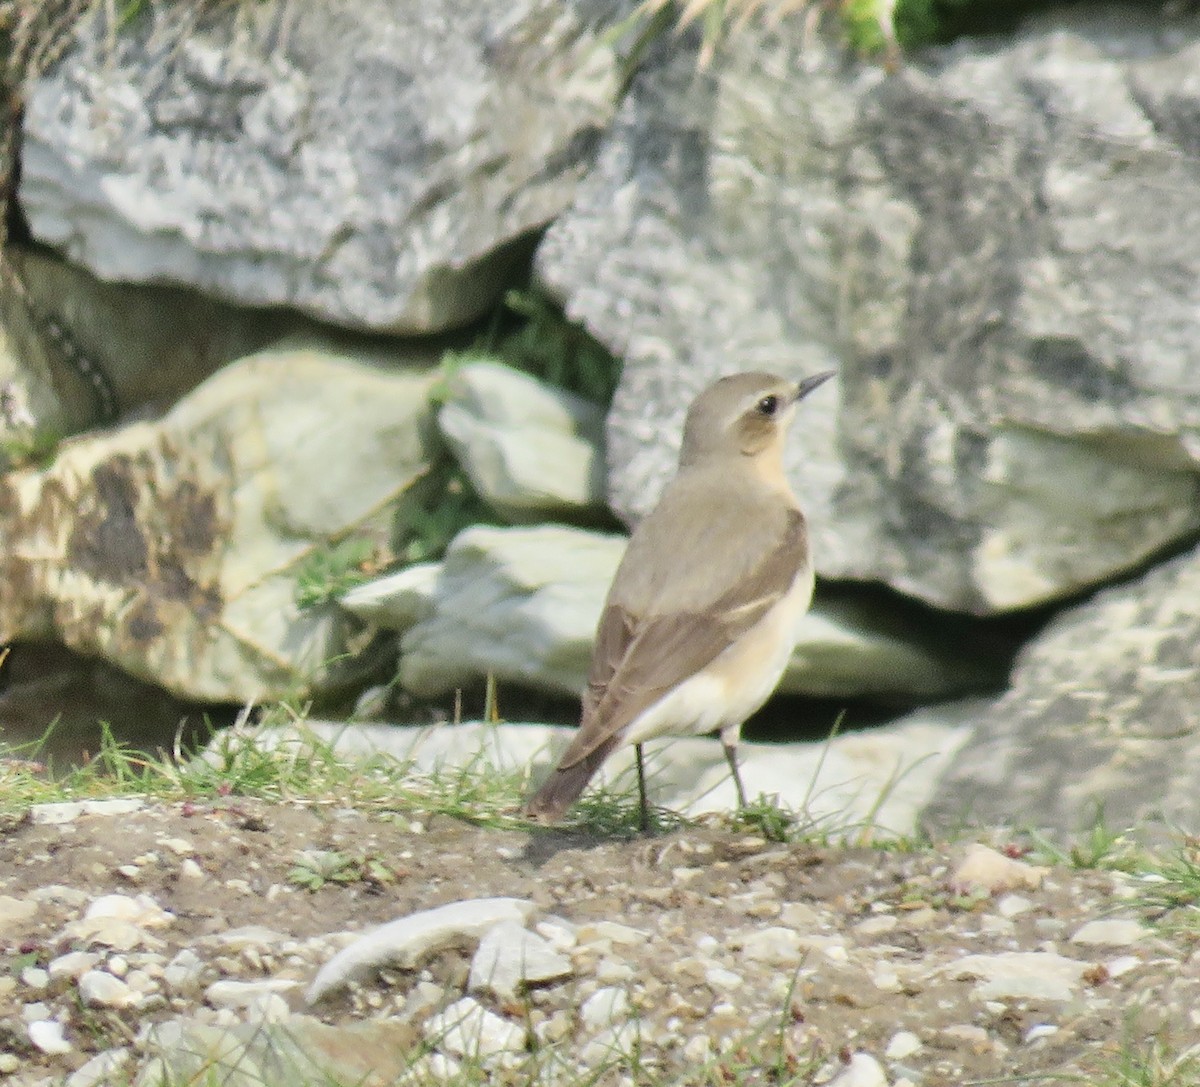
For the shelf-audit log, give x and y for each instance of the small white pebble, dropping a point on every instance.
(609, 971)
(721, 980)
(1110, 931)
(118, 966)
(604, 1007)
(72, 965)
(863, 1070)
(698, 1050)
(34, 977)
(190, 870)
(47, 1035)
(880, 923)
(904, 1043)
(1039, 1031)
(885, 978)
(100, 988)
(1011, 906)
(1122, 964)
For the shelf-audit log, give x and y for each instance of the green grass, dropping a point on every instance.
(1143, 1058)
(1099, 847)
(329, 571)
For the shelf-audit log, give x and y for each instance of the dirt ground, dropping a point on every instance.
(227, 865)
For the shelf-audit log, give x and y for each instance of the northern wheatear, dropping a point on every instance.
(701, 617)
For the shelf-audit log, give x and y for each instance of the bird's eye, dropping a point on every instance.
(768, 405)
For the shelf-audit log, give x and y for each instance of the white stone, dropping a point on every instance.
(34, 977)
(120, 922)
(1110, 932)
(558, 932)
(432, 1067)
(98, 988)
(68, 811)
(242, 994)
(404, 941)
(467, 1029)
(862, 1070)
(182, 974)
(985, 870)
(875, 926)
(605, 1007)
(773, 945)
(103, 1069)
(1122, 964)
(267, 1008)
(721, 980)
(611, 1044)
(72, 965)
(191, 871)
(904, 1043)
(47, 1035)
(1039, 1031)
(532, 451)
(1020, 975)
(1012, 905)
(510, 956)
(607, 933)
(14, 913)
(610, 970)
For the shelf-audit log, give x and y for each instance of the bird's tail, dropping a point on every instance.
(561, 789)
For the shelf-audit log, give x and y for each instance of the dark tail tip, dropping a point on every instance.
(562, 788)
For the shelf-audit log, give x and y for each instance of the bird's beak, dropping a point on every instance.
(810, 383)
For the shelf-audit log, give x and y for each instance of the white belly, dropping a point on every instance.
(738, 682)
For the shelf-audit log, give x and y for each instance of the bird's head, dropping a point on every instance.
(744, 415)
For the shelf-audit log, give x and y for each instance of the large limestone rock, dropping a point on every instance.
(523, 604)
(994, 246)
(531, 451)
(1101, 719)
(151, 343)
(376, 163)
(173, 548)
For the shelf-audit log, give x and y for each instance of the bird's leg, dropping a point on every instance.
(729, 743)
(644, 820)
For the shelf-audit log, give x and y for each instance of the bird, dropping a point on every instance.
(700, 620)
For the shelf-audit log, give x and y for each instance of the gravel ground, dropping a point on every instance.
(700, 956)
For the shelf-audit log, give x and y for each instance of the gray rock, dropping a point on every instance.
(173, 548)
(533, 452)
(152, 343)
(1100, 716)
(981, 242)
(376, 164)
(523, 604)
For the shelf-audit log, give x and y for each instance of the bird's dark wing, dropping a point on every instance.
(637, 660)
